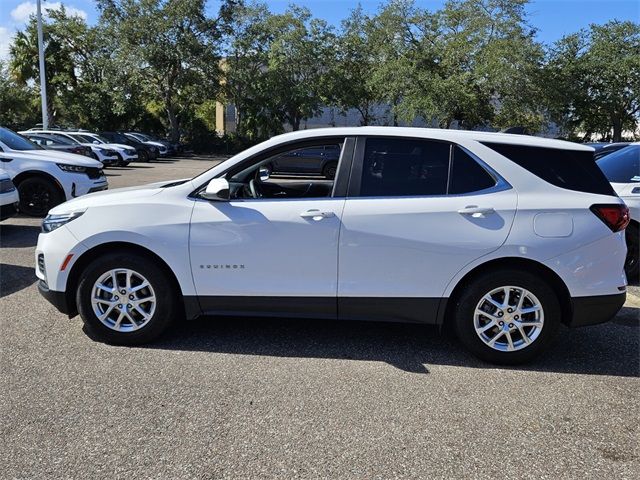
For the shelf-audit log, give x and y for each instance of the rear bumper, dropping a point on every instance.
(57, 299)
(596, 309)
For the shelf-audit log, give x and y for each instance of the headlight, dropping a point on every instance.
(72, 168)
(52, 222)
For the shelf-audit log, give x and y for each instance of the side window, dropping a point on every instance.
(467, 175)
(306, 172)
(404, 167)
(570, 169)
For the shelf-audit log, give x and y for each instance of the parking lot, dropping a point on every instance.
(258, 398)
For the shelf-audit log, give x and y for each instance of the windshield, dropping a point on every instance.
(87, 138)
(119, 138)
(14, 141)
(139, 136)
(622, 166)
(61, 139)
(78, 138)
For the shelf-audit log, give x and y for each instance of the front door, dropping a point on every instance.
(272, 249)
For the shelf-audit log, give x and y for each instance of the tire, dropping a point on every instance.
(631, 267)
(38, 195)
(536, 290)
(159, 313)
(143, 156)
(329, 170)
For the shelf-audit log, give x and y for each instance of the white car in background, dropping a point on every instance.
(126, 153)
(162, 148)
(46, 178)
(8, 196)
(107, 156)
(622, 169)
(502, 237)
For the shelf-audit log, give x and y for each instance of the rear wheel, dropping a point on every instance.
(125, 299)
(143, 156)
(507, 316)
(38, 195)
(631, 266)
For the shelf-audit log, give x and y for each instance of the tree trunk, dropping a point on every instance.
(174, 125)
(617, 130)
(295, 123)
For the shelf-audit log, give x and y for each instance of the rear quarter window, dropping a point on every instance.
(571, 169)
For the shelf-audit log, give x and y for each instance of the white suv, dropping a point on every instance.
(502, 237)
(46, 178)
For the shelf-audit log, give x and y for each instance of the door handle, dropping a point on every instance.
(317, 214)
(476, 211)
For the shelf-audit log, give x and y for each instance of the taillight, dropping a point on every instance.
(614, 216)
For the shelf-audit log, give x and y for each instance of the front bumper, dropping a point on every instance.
(57, 299)
(8, 210)
(596, 309)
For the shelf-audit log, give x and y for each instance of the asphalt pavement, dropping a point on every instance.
(256, 398)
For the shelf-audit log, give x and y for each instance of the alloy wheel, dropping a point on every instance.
(508, 318)
(123, 300)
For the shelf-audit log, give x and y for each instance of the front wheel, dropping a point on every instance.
(125, 299)
(143, 156)
(507, 316)
(38, 195)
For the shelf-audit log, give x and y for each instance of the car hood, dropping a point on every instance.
(55, 156)
(118, 196)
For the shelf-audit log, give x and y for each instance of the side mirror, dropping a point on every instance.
(217, 189)
(264, 173)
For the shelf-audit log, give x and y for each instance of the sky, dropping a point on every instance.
(552, 18)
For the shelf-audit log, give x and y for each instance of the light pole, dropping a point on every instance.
(43, 80)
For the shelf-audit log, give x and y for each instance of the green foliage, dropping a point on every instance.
(593, 81)
(161, 65)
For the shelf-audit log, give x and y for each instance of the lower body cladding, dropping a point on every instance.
(431, 311)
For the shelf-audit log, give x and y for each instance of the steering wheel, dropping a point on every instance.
(253, 189)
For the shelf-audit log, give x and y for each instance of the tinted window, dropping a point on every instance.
(622, 166)
(401, 167)
(570, 169)
(467, 175)
(15, 141)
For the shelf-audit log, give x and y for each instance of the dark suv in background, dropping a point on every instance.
(145, 152)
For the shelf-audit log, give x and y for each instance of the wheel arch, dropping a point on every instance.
(189, 308)
(528, 265)
(38, 173)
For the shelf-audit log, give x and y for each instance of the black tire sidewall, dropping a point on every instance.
(162, 286)
(633, 244)
(56, 197)
(466, 303)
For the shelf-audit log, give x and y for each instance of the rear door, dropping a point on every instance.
(417, 212)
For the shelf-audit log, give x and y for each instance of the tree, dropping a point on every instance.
(349, 83)
(18, 103)
(170, 48)
(297, 60)
(247, 83)
(593, 80)
(59, 73)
